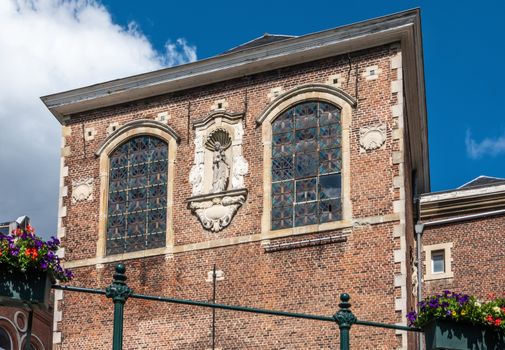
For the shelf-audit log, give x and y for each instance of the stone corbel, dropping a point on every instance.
(216, 210)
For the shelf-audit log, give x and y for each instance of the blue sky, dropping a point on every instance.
(55, 45)
(464, 51)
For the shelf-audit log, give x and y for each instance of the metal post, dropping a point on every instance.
(345, 319)
(213, 309)
(119, 292)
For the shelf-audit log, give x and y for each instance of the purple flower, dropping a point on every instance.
(14, 251)
(53, 241)
(44, 264)
(448, 313)
(68, 274)
(445, 304)
(50, 256)
(433, 303)
(38, 244)
(412, 316)
(447, 293)
(464, 299)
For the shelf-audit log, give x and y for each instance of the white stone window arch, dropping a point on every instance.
(305, 93)
(155, 130)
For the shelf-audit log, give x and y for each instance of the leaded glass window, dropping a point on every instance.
(306, 165)
(137, 207)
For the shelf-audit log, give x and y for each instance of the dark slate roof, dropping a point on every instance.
(262, 40)
(482, 181)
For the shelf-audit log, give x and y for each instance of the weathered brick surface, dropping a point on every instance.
(306, 279)
(478, 256)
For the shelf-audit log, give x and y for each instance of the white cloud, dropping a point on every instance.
(486, 147)
(48, 46)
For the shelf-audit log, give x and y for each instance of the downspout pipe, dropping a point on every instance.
(419, 228)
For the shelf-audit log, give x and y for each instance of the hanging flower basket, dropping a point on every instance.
(18, 288)
(456, 321)
(28, 268)
(452, 335)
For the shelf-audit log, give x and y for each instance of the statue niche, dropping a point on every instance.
(217, 175)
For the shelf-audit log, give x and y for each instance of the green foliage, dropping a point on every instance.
(460, 308)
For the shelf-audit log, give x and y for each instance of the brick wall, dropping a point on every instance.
(477, 256)
(305, 279)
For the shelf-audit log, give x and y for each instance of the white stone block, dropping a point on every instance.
(399, 256)
(89, 133)
(396, 61)
(275, 92)
(335, 80)
(397, 86)
(397, 157)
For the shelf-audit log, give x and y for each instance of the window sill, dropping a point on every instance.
(293, 231)
(438, 276)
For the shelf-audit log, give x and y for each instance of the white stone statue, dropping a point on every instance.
(220, 169)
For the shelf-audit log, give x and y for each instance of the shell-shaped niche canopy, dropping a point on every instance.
(372, 137)
(220, 136)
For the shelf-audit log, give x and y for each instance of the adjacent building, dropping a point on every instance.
(14, 321)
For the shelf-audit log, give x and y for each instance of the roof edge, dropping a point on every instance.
(240, 63)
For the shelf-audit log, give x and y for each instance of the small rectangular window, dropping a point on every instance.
(438, 261)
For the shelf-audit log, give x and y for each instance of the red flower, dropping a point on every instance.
(497, 322)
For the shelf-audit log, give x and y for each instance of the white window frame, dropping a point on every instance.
(428, 261)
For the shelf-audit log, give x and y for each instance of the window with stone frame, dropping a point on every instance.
(137, 198)
(306, 165)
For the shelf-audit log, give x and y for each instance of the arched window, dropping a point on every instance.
(5, 340)
(306, 165)
(137, 195)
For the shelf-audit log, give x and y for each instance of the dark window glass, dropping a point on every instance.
(5, 340)
(137, 209)
(438, 261)
(306, 165)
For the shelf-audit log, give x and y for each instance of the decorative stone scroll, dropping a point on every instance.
(82, 190)
(372, 137)
(217, 174)
(216, 210)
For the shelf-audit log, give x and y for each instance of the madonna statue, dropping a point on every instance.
(220, 169)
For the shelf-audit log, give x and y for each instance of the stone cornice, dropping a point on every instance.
(225, 115)
(462, 202)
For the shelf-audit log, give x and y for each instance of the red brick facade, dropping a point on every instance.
(477, 256)
(367, 256)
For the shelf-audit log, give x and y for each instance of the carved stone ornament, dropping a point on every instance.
(215, 211)
(82, 190)
(219, 167)
(372, 137)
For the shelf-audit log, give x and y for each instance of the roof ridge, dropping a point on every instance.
(479, 177)
(259, 38)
